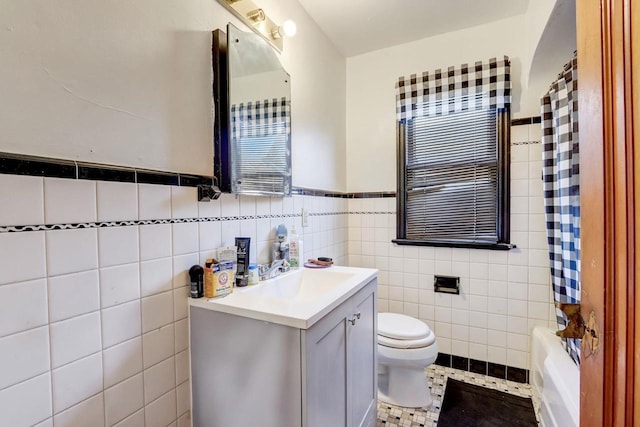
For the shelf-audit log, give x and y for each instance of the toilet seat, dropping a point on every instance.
(402, 332)
(419, 343)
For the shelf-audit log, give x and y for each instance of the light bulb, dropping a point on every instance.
(289, 28)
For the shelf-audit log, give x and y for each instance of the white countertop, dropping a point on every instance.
(298, 298)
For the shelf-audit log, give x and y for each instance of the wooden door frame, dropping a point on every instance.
(609, 179)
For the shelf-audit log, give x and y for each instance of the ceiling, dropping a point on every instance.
(359, 26)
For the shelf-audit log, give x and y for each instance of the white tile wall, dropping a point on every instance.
(123, 399)
(73, 294)
(503, 294)
(76, 382)
(27, 203)
(71, 251)
(69, 201)
(26, 403)
(120, 323)
(22, 256)
(75, 338)
(23, 306)
(21, 365)
(117, 201)
(88, 413)
(119, 284)
(93, 322)
(122, 361)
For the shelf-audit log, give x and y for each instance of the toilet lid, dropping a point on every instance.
(419, 343)
(401, 327)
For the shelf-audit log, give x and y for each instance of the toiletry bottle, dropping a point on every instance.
(242, 265)
(295, 248)
(196, 276)
(253, 274)
(283, 244)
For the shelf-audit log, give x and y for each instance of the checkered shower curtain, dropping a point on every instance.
(561, 176)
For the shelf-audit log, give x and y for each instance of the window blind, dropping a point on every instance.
(453, 156)
(260, 165)
(452, 176)
(261, 147)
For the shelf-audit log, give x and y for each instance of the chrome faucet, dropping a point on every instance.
(267, 271)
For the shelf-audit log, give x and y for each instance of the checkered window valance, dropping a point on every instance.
(261, 118)
(482, 85)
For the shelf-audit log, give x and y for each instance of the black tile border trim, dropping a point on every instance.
(20, 164)
(301, 191)
(526, 121)
(37, 166)
(495, 370)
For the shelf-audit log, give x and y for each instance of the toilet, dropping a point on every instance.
(406, 346)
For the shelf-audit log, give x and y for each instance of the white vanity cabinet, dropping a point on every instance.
(340, 385)
(252, 372)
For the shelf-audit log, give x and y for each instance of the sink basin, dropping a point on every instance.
(298, 298)
(299, 285)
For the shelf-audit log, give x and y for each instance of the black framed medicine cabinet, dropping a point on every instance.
(252, 115)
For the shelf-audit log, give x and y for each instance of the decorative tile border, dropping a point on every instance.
(525, 143)
(128, 223)
(372, 213)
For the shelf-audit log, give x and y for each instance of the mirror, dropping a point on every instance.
(256, 143)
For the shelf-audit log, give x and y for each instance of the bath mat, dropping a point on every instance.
(471, 405)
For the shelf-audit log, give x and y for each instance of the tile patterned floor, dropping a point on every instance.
(395, 416)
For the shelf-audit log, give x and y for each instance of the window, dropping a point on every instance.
(453, 151)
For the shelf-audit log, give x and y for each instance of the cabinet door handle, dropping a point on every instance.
(355, 317)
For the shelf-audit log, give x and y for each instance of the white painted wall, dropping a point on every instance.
(129, 83)
(371, 79)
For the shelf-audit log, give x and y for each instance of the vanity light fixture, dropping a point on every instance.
(256, 15)
(256, 19)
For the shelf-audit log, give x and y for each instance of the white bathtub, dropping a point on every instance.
(555, 379)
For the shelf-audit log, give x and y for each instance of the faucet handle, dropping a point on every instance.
(263, 269)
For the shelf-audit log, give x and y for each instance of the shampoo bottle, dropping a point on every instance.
(295, 248)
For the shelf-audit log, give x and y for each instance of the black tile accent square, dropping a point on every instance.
(443, 359)
(96, 173)
(496, 370)
(526, 121)
(144, 177)
(517, 374)
(195, 180)
(477, 366)
(458, 362)
(35, 166)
